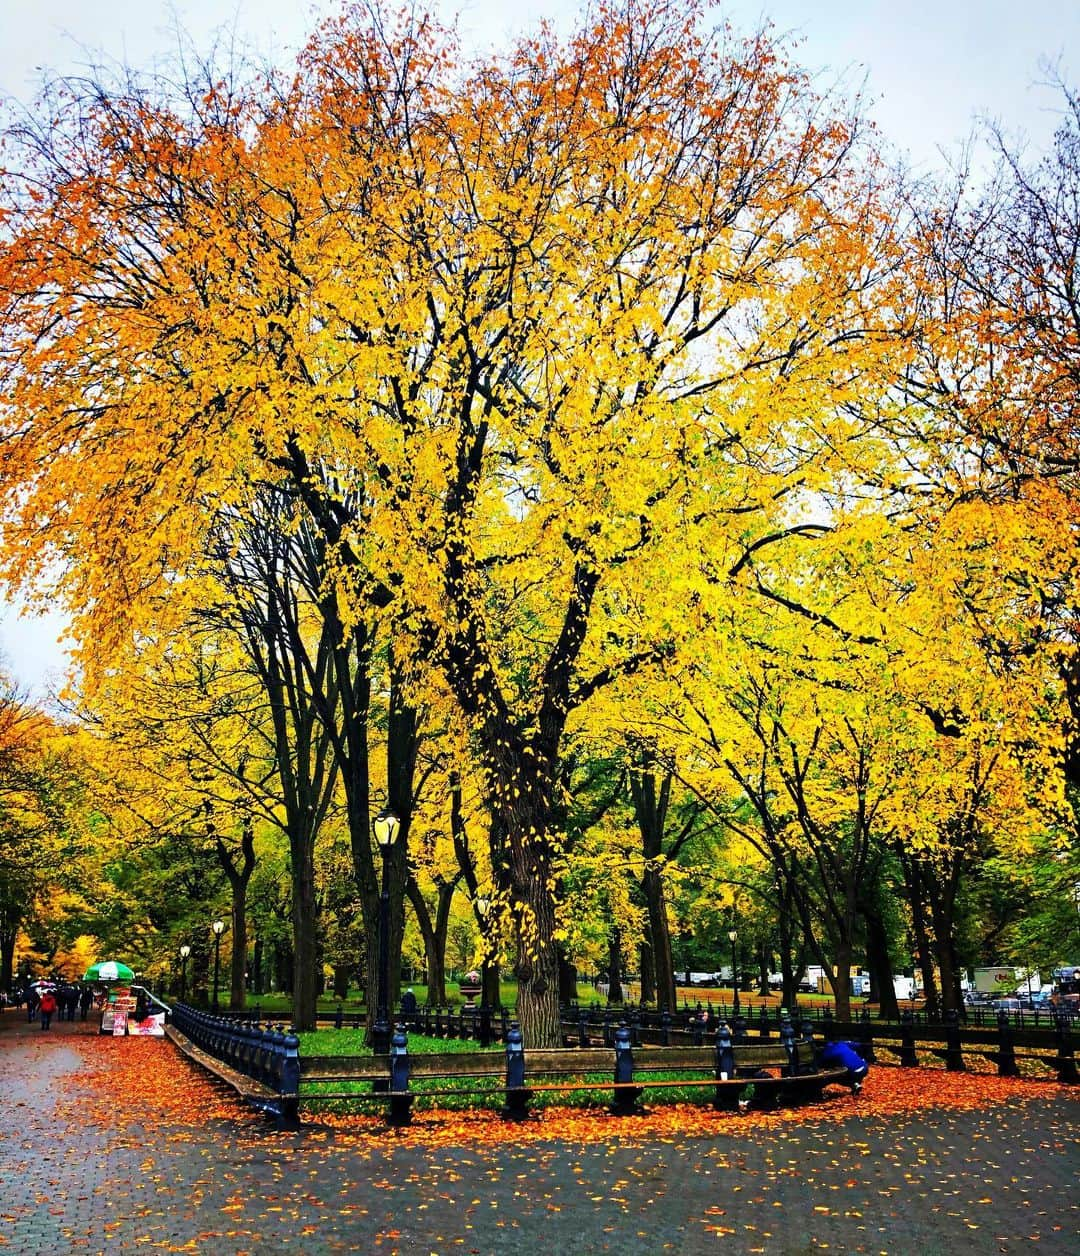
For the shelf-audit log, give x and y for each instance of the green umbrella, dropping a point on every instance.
(108, 970)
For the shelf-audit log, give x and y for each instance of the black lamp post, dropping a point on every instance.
(185, 951)
(219, 928)
(386, 826)
(734, 937)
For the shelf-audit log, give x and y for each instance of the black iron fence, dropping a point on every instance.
(268, 1056)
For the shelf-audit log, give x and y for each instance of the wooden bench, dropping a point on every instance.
(254, 1092)
(769, 1066)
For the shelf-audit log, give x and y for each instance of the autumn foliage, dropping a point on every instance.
(606, 396)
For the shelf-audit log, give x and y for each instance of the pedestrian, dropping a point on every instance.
(86, 997)
(846, 1055)
(408, 1002)
(32, 999)
(48, 1007)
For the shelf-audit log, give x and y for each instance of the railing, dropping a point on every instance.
(268, 1057)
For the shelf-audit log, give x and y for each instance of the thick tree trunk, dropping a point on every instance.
(841, 982)
(537, 967)
(304, 922)
(942, 895)
(660, 936)
(880, 965)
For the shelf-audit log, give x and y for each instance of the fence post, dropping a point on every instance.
(1066, 1064)
(725, 1065)
(763, 1022)
(339, 1016)
(583, 1027)
(626, 1095)
(908, 1058)
(289, 1084)
(954, 1059)
(400, 1099)
(1006, 1052)
(665, 1028)
(517, 1096)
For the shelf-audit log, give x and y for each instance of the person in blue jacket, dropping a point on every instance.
(845, 1055)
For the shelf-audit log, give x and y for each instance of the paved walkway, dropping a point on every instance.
(117, 1146)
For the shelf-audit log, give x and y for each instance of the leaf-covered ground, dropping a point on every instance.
(123, 1145)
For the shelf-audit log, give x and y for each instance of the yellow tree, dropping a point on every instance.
(510, 331)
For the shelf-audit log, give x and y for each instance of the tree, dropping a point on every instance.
(510, 336)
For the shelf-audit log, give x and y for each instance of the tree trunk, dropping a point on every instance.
(567, 979)
(7, 958)
(880, 965)
(615, 990)
(647, 993)
(942, 895)
(660, 937)
(841, 982)
(434, 934)
(917, 902)
(257, 963)
(304, 922)
(490, 980)
(238, 961)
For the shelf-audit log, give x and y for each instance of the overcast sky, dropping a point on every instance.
(931, 70)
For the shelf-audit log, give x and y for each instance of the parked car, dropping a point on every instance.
(1007, 1005)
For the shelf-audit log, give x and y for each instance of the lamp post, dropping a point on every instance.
(185, 951)
(219, 928)
(733, 937)
(386, 826)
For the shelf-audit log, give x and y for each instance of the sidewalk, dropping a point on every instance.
(121, 1145)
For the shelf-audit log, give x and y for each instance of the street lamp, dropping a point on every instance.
(386, 826)
(733, 937)
(219, 928)
(185, 951)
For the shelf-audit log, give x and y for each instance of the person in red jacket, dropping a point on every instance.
(48, 1006)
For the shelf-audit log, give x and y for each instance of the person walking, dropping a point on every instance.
(32, 1000)
(48, 1007)
(86, 997)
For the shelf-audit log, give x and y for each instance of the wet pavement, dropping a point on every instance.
(123, 1145)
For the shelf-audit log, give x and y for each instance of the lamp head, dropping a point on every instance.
(732, 935)
(185, 951)
(218, 927)
(482, 904)
(386, 826)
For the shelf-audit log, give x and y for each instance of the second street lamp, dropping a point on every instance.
(185, 951)
(386, 826)
(218, 927)
(734, 937)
